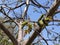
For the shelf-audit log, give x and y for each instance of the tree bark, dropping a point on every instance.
(6, 31)
(50, 13)
(20, 34)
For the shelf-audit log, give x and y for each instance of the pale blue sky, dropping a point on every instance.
(34, 17)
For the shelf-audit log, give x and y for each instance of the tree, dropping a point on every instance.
(17, 23)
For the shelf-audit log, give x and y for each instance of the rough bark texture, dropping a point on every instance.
(6, 31)
(20, 33)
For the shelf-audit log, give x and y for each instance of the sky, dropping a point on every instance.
(35, 16)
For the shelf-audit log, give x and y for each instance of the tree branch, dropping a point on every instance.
(50, 13)
(3, 11)
(6, 31)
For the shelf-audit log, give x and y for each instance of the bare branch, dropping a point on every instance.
(58, 11)
(50, 13)
(3, 11)
(26, 9)
(37, 4)
(6, 31)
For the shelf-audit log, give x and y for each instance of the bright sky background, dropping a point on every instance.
(35, 16)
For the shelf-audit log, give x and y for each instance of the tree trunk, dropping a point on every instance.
(20, 34)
